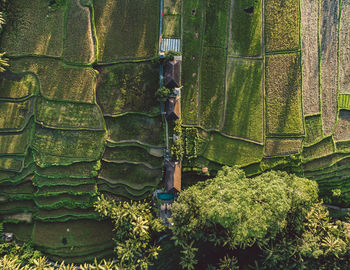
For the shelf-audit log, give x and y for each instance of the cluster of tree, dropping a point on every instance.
(272, 221)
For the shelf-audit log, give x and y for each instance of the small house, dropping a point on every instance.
(172, 176)
(172, 109)
(172, 74)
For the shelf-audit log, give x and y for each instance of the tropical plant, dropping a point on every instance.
(135, 229)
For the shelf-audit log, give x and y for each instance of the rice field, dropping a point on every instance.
(245, 28)
(283, 90)
(329, 25)
(125, 30)
(244, 108)
(237, 152)
(66, 115)
(135, 128)
(15, 86)
(309, 40)
(128, 88)
(281, 25)
(78, 44)
(33, 29)
(282, 146)
(212, 92)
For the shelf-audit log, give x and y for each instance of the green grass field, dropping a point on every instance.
(14, 116)
(133, 176)
(33, 28)
(283, 90)
(215, 27)
(313, 126)
(132, 154)
(78, 43)
(126, 30)
(245, 28)
(320, 149)
(59, 81)
(282, 146)
(82, 145)
(135, 127)
(212, 92)
(237, 152)
(15, 86)
(128, 88)
(68, 115)
(281, 25)
(171, 26)
(244, 109)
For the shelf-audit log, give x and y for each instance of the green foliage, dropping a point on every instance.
(135, 228)
(193, 144)
(170, 55)
(177, 149)
(232, 211)
(324, 244)
(40, 263)
(162, 94)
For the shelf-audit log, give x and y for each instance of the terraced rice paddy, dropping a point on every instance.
(264, 86)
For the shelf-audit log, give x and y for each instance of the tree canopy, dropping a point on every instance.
(234, 211)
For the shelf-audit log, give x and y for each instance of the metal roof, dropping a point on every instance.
(170, 44)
